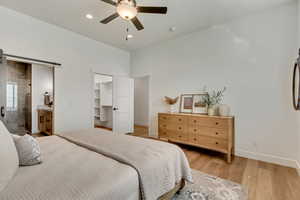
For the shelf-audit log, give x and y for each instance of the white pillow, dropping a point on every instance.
(28, 150)
(9, 161)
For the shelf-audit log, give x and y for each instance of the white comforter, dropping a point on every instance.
(159, 165)
(71, 172)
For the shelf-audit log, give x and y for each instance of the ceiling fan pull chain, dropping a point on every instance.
(127, 32)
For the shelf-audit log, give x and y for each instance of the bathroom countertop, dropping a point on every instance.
(44, 107)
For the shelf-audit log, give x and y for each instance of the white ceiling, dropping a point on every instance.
(186, 15)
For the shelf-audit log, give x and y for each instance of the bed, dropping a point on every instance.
(95, 164)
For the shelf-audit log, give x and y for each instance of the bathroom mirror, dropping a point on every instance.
(296, 84)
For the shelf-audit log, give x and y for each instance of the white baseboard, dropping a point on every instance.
(269, 158)
(298, 167)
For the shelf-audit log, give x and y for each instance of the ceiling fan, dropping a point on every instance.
(128, 10)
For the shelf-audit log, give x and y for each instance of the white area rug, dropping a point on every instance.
(207, 187)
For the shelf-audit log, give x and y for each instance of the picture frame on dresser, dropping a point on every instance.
(199, 105)
(186, 103)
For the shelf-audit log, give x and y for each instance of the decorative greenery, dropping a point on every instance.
(214, 98)
(171, 101)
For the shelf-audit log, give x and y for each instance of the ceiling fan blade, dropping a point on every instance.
(153, 10)
(110, 18)
(110, 2)
(139, 26)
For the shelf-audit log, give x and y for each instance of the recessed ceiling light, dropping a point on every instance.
(89, 16)
(172, 29)
(129, 36)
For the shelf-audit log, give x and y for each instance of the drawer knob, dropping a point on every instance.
(195, 139)
(217, 133)
(179, 128)
(217, 143)
(180, 120)
(165, 125)
(217, 123)
(180, 136)
(195, 121)
(195, 130)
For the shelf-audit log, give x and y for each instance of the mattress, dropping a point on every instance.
(71, 172)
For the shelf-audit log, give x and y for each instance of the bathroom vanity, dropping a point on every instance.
(45, 120)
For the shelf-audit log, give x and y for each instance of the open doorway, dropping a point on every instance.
(27, 97)
(141, 106)
(18, 98)
(103, 114)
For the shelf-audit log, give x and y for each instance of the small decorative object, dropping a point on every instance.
(186, 103)
(171, 102)
(224, 110)
(212, 99)
(211, 111)
(47, 98)
(199, 105)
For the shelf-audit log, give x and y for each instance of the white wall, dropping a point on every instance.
(252, 56)
(141, 101)
(42, 81)
(25, 36)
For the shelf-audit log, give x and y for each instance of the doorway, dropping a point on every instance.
(24, 89)
(113, 103)
(141, 106)
(103, 114)
(18, 98)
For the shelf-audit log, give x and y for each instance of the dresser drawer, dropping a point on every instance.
(179, 120)
(212, 143)
(193, 138)
(178, 127)
(163, 118)
(173, 127)
(211, 132)
(209, 122)
(173, 135)
(163, 133)
(182, 136)
(164, 125)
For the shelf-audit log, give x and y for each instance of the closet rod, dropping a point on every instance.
(24, 58)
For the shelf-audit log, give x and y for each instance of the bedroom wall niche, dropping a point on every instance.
(103, 114)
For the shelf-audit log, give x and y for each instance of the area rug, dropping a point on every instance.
(207, 187)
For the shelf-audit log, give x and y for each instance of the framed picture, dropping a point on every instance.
(199, 105)
(186, 103)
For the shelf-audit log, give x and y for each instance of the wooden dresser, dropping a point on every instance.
(209, 132)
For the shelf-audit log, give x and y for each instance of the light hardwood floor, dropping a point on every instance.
(264, 181)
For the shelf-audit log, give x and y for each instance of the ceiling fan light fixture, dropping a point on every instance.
(89, 16)
(127, 10)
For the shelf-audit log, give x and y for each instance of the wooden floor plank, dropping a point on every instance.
(264, 181)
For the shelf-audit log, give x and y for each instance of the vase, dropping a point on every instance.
(172, 109)
(211, 111)
(224, 110)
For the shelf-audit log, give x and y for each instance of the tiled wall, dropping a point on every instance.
(19, 121)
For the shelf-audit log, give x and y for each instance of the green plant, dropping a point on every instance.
(214, 98)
